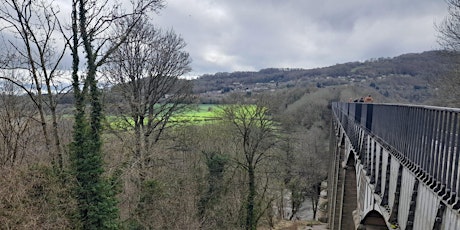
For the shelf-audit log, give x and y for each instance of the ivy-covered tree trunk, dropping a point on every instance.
(96, 200)
(97, 206)
(92, 22)
(216, 164)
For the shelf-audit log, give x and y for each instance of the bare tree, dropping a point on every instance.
(145, 72)
(31, 29)
(253, 132)
(16, 119)
(449, 39)
(449, 31)
(146, 69)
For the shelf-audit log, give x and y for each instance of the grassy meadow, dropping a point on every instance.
(196, 115)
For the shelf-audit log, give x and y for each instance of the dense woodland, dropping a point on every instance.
(194, 176)
(64, 165)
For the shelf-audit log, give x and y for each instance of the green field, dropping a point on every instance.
(200, 114)
(196, 115)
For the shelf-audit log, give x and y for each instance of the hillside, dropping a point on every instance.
(406, 78)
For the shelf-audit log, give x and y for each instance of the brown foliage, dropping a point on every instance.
(34, 198)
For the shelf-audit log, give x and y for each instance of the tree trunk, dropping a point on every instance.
(314, 205)
(250, 215)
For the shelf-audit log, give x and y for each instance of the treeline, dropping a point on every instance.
(424, 66)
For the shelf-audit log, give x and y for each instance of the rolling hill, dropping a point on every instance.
(409, 77)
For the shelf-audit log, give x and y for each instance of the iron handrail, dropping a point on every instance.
(425, 138)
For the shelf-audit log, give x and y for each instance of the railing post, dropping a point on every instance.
(358, 108)
(369, 115)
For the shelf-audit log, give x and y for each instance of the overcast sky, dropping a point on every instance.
(246, 35)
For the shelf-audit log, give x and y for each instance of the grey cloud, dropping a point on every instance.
(225, 35)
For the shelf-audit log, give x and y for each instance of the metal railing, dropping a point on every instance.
(426, 139)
